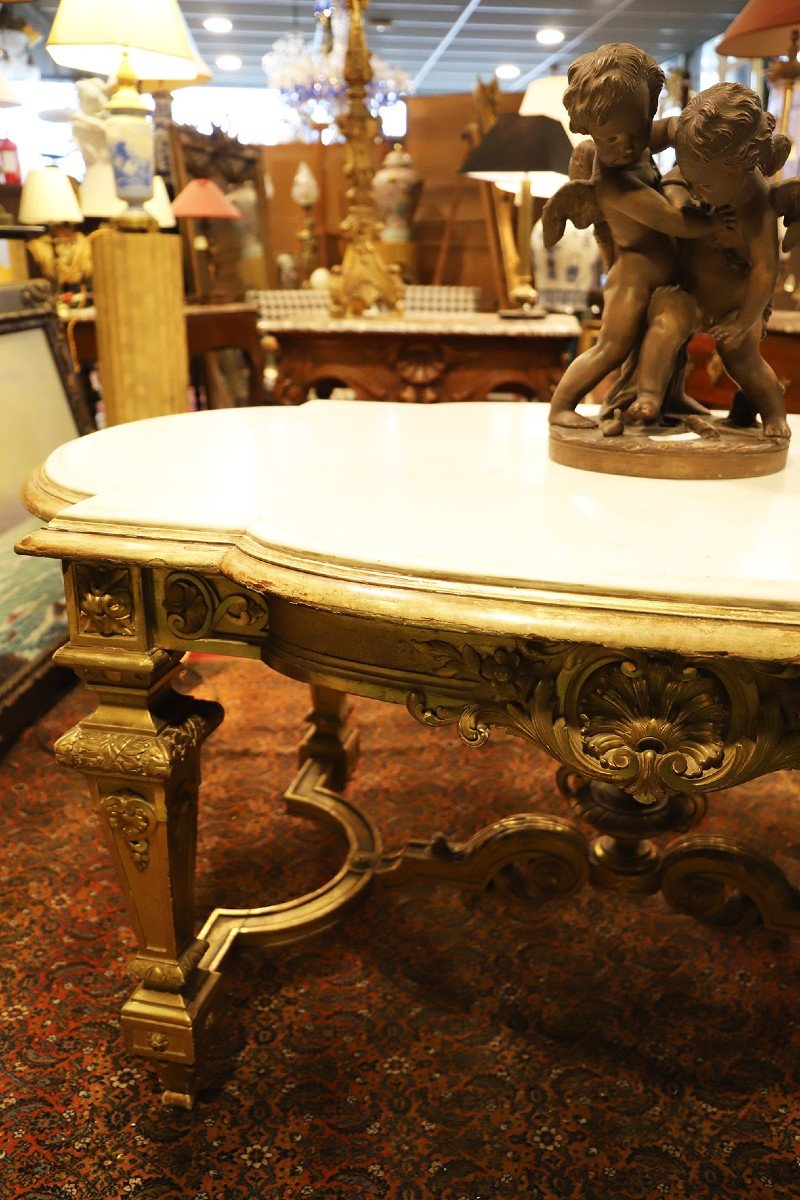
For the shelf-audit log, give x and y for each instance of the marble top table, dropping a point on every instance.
(645, 633)
(420, 357)
(468, 324)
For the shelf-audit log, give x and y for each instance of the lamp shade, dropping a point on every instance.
(98, 193)
(202, 72)
(201, 198)
(518, 147)
(93, 35)
(48, 199)
(763, 29)
(159, 206)
(8, 97)
(544, 97)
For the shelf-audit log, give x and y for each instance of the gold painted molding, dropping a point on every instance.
(614, 618)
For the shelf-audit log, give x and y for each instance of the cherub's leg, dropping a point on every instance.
(626, 301)
(758, 381)
(672, 318)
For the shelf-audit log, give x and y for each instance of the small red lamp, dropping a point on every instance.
(768, 29)
(202, 200)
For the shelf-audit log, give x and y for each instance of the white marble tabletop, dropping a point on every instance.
(464, 324)
(362, 504)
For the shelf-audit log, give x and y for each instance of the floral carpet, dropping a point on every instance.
(606, 1050)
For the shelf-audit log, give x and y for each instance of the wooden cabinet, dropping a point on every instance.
(706, 380)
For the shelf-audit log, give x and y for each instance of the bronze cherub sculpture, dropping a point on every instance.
(697, 250)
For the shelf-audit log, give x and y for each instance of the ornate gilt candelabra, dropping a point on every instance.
(363, 280)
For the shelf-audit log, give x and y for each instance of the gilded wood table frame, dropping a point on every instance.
(643, 735)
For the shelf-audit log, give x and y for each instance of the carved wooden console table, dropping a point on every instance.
(422, 357)
(645, 633)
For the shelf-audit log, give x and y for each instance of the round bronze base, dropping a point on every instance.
(670, 452)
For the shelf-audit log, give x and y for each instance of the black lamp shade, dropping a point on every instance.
(518, 145)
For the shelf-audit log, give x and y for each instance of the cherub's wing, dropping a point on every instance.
(581, 161)
(785, 199)
(576, 202)
(779, 150)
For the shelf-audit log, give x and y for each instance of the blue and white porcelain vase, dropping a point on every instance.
(130, 141)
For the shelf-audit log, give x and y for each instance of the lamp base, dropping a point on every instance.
(522, 314)
(134, 220)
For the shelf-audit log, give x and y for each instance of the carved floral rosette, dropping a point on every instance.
(651, 724)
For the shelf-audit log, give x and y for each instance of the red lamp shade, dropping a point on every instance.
(201, 198)
(763, 29)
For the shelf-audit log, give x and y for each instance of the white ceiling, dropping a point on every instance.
(445, 44)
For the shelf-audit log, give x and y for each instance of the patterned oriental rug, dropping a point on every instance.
(605, 1050)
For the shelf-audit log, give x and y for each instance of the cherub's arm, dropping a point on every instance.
(662, 134)
(760, 232)
(644, 204)
(676, 189)
(785, 199)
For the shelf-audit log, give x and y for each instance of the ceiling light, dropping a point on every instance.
(218, 25)
(507, 71)
(550, 37)
(229, 62)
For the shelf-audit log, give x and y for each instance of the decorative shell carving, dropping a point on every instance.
(651, 724)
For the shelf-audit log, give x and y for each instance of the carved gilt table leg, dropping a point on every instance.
(139, 751)
(331, 740)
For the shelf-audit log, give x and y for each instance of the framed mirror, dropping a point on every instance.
(41, 406)
(241, 252)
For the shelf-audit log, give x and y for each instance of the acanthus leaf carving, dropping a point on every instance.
(195, 609)
(652, 724)
(142, 755)
(133, 819)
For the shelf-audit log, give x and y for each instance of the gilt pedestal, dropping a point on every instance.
(141, 331)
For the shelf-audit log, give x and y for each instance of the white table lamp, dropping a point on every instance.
(159, 205)
(145, 40)
(98, 193)
(93, 35)
(48, 199)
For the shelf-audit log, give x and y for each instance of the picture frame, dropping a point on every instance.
(42, 404)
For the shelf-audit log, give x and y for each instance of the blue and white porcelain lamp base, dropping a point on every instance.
(130, 137)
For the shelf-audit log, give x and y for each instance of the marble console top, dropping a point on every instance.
(784, 320)
(435, 324)
(462, 497)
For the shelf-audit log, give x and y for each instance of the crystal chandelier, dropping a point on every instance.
(310, 74)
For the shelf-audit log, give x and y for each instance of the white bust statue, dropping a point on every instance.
(88, 125)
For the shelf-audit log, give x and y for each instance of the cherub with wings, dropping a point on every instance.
(725, 148)
(612, 96)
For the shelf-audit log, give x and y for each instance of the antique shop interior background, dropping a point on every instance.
(250, 148)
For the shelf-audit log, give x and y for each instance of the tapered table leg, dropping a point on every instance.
(139, 751)
(331, 740)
